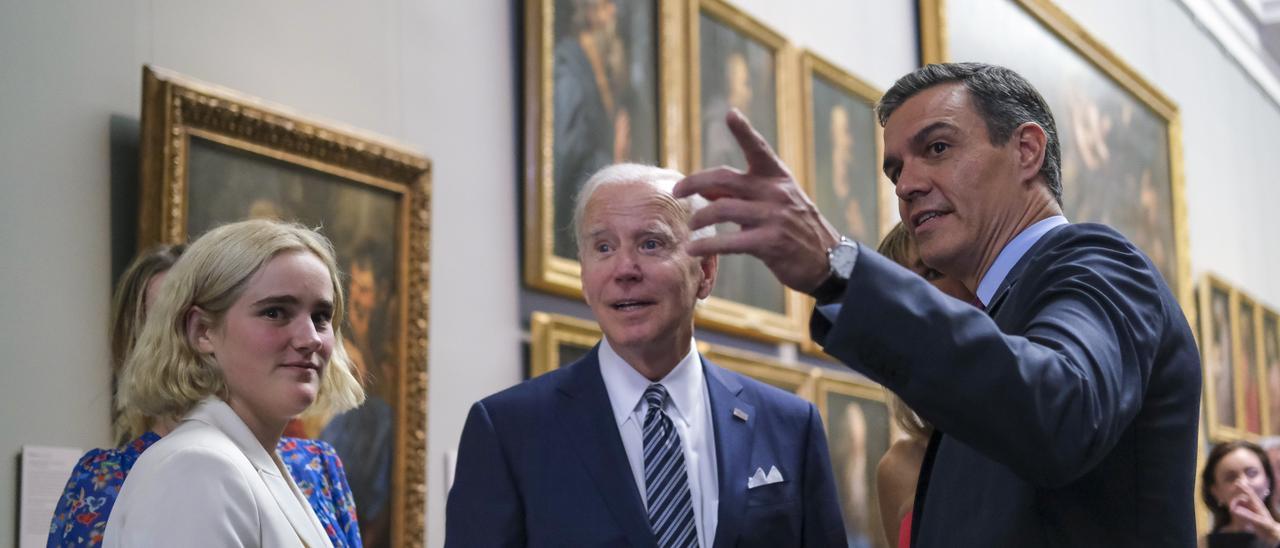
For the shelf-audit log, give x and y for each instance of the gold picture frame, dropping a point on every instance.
(550, 335)
(859, 432)
(1249, 389)
(856, 99)
(798, 380)
(1218, 364)
(544, 269)
(206, 151)
(1269, 351)
(1085, 121)
(814, 67)
(754, 46)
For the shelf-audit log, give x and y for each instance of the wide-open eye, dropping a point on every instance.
(938, 147)
(603, 247)
(651, 244)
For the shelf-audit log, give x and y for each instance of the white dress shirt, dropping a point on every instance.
(689, 408)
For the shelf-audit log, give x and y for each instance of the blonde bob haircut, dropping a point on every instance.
(165, 377)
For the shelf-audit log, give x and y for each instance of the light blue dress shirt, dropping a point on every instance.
(1011, 254)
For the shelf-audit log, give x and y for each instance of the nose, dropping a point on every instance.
(306, 337)
(912, 182)
(626, 268)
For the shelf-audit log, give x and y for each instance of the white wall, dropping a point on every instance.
(440, 76)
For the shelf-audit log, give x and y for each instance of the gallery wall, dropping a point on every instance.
(441, 77)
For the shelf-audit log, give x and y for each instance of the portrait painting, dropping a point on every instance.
(557, 340)
(1248, 368)
(241, 159)
(842, 145)
(594, 97)
(1271, 369)
(1119, 135)
(856, 416)
(736, 63)
(1217, 357)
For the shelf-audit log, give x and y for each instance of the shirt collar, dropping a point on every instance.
(1011, 254)
(626, 386)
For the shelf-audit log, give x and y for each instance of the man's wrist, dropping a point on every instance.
(840, 260)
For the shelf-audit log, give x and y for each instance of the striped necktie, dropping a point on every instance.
(666, 481)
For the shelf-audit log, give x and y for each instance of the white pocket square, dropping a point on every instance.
(760, 478)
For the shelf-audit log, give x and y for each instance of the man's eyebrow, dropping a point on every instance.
(891, 163)
(658, 230)
(918, 140)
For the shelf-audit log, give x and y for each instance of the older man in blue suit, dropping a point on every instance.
(642, 442)
(1066, 413)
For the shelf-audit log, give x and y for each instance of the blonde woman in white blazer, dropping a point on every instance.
(242, 339)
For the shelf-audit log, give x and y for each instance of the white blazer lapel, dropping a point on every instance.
(288, 497)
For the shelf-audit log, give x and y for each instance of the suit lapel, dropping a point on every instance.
(733, 449)
(584, 411)
(286, 494)
(288, 497)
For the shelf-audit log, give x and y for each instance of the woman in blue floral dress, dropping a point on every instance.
(80, 517)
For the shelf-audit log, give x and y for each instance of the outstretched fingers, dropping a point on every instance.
(761, 159)
(717, 183)
(730, 210)
(726, 243)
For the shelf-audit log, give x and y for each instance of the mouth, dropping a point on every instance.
(922, 218)
(308, 366)
(629, 305)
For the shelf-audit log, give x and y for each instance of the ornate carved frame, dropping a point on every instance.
(715, 312)
(548, 331)
(176, 108)
(542, 268)
(813, 66)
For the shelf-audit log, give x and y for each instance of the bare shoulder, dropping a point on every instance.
(903, 457)
(898, 471)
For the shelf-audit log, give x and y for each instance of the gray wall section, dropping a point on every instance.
(441, 76)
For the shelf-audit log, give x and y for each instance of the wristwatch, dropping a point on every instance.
(841, 258)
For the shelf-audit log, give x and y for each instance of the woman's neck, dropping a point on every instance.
(266, 430)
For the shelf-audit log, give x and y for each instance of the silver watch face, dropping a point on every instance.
(842, 257)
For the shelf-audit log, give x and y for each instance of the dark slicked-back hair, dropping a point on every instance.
(1002, 97)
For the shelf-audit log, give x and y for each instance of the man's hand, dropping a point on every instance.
(780, 225)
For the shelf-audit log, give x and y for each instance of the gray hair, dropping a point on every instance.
(662, 179)
(1002, 97)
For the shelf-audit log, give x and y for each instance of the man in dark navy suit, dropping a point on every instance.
(642, 442)
(1066, 413)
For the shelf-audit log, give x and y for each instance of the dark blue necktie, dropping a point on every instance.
(665, 478)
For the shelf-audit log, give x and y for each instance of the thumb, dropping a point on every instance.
(761, 159)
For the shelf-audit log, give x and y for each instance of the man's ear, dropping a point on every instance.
(198, 325)
(1032, 144)
(707, 267)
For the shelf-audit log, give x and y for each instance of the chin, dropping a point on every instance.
(304, 399)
